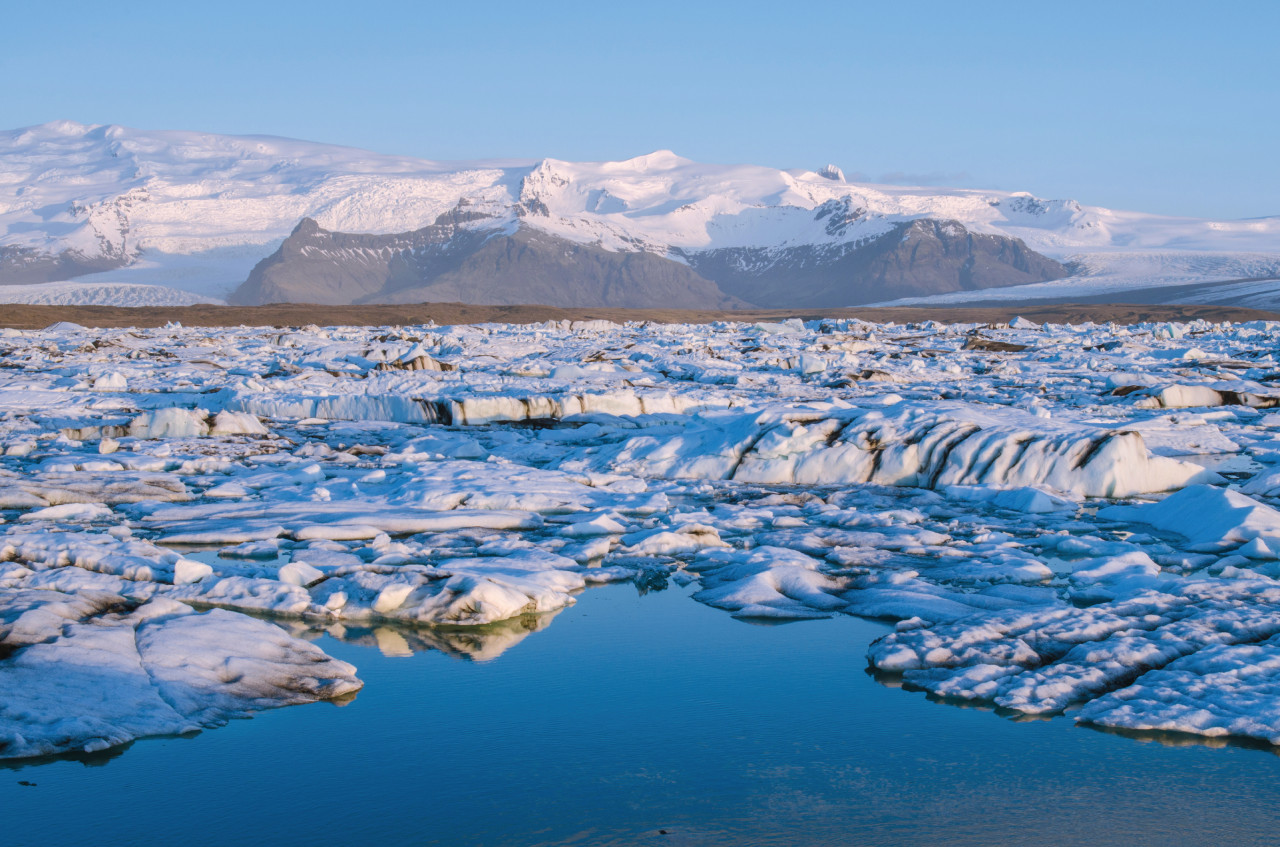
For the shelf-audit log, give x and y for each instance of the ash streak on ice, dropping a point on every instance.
(1001, 492)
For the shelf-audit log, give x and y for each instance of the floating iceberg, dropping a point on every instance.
(1076, 519)
(90, 671)
(939, 445)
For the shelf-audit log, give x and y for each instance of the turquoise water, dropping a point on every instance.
(645, 719)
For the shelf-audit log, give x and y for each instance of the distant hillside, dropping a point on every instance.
(449, 263)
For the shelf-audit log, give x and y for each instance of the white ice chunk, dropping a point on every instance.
(1223, 690)
(1211, 518)
(917, 446)
(767, 582)
(237, 423)
(170, 423)
(113, 381)
(186, 571)
(70, 513)
(111, 676)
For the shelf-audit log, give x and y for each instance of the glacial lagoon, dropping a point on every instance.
(534, 565)
(645, 719)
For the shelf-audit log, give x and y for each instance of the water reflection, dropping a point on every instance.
(470, 643)
(96, 759)
(891, 679)
(1166, 738)
(637, 720)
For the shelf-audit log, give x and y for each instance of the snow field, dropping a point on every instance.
(184, 216)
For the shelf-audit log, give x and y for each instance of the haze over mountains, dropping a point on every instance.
(114, 215)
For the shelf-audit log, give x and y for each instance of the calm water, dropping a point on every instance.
(632, 715)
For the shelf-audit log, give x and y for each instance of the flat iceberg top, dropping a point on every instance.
(1060, 518)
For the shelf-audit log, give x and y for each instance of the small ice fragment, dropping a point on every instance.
(392, 597)
(1256, 549)
(187, 571)
(77, 512)
(237, 423)
(811, 364)
(597, 526)
(300, 573)
(113, 381)
(169, 423)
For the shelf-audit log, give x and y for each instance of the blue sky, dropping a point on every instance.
(1166, 107)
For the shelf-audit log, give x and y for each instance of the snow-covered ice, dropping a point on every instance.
(1077, 519)
(92, 670)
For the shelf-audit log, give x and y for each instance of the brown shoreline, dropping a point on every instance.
(22, 316)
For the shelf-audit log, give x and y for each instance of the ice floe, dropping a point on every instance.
(89, 671)
(1057, 518)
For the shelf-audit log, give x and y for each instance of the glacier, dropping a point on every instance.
(171, 217)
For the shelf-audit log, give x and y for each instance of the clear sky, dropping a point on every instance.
(1169, 107)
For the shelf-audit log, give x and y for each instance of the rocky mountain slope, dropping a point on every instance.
(914, 258)
(446, 263)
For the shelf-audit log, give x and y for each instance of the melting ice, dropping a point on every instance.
(1073, 519)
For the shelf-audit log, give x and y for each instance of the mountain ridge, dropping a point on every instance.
(123, 205)
(447, 262)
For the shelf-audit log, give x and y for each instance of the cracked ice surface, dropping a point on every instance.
(1059, 518)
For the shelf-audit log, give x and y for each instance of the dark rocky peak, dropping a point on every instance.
(839, 214)
(306, 227)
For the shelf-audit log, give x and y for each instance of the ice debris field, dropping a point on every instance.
(1060, 519)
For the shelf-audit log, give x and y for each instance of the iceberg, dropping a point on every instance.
(182, 508)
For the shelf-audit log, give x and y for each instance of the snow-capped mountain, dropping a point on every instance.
(196, 212)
